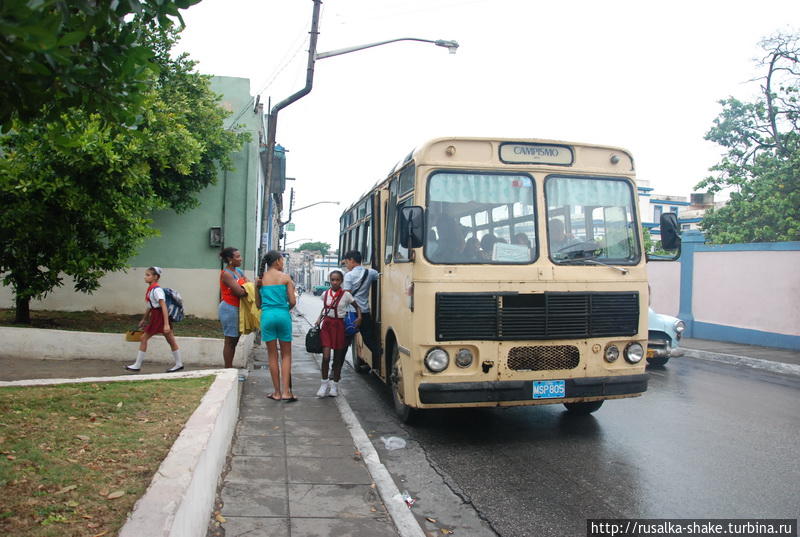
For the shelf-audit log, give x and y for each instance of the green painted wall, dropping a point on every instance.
(231, 202)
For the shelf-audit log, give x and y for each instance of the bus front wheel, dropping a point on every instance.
(581, 409)
(403, 411)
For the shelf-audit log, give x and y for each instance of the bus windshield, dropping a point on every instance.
(591, 218)
(480, 218)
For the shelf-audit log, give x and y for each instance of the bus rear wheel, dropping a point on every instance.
(582, 409)
(358, 364)
(403, 411)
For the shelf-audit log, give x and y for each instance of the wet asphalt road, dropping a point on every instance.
(707, 440)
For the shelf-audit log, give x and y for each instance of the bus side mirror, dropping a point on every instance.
(670, 238)
(412, 226)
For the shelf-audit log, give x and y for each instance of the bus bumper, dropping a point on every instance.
(522, 390)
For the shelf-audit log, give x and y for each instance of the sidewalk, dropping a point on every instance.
(784, 361)
(294, 468)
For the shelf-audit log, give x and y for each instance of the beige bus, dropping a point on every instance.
(512, 273)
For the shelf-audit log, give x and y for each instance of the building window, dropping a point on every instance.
(657, 210)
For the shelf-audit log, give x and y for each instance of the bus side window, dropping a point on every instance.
(390, 220)
(401, 252)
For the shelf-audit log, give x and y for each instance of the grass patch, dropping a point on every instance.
(94, 321)
(74, 458)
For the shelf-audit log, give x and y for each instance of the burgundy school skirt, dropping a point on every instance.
(156, 324)
(332, 333)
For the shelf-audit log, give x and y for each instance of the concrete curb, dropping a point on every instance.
(401, 515)
(754, 363)
(43, 343)
(181, 495)
(179, 500)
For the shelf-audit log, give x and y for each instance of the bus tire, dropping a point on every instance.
(358, 364)
(659, 361)
(582, 409)
(403, 411)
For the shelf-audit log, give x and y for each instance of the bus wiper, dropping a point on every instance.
(596, 262)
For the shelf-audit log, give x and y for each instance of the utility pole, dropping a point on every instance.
(272, 117)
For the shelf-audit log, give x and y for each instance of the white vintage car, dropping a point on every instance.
(663, 334)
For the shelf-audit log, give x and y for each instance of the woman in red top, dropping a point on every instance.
(231, 280)
(155, 321)
(334, 306)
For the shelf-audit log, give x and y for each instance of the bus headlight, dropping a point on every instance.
(437, 359)
(464, 358)
(634, 353)
(612, 353)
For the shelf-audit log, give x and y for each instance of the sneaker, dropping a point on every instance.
(323, 389)
(334, 391)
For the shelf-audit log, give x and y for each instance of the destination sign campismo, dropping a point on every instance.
(519, 153)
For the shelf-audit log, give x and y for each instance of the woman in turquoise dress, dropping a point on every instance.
(276, 295)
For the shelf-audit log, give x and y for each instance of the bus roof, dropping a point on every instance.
(481, 151)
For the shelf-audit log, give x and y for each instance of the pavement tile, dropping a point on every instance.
(261, 446)
(274, 411)
(314, 413)
(260, 427)
(254, 499)
(247, 468)
(301, 446)
(334, 527)
(335, 470)
(316, 428)
(256, 527)
(335, 501)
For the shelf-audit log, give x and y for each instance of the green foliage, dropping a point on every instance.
(321, 247)
(59, 54)
(762, 164)
(77, 190)
(651, 246)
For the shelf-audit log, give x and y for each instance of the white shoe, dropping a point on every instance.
(323, 388)
(334, 389)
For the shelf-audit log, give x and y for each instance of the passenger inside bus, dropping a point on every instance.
(558, 237)
(450, 244)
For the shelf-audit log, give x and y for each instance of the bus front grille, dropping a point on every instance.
(542, 316)
(543, 358)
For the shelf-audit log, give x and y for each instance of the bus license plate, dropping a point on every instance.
(549, 389)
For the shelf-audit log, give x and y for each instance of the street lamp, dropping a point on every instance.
(298, 240)
(307, 206)
(272, 117)
(292, 211)
(451, 46)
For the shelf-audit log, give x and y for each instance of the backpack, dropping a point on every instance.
(174, 305)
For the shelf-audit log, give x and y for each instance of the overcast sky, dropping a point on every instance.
(643, 75)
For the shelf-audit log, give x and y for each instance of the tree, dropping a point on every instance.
(322, 247)
(762, 164)
(77, 191)
(59, 54)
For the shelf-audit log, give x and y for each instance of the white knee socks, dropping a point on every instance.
(139, 359)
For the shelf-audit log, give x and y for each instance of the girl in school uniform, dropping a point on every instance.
(155, 321)
(335, 302)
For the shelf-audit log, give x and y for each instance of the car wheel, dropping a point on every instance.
(403, 411)
(358, 364)
(581, 409)
(659, 361)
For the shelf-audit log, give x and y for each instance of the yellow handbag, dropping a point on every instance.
(134, 335)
